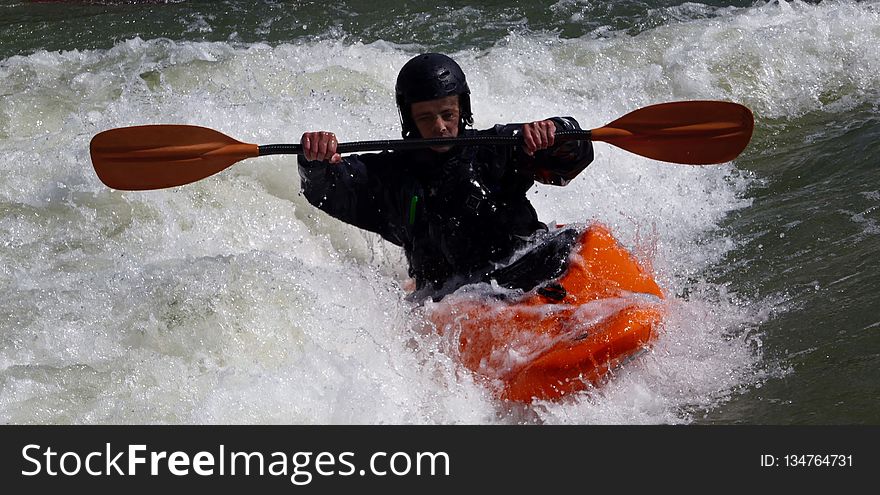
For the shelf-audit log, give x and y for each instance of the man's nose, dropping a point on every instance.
(440, 125)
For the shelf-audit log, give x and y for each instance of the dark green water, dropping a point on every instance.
(444, 26)
(813, 237)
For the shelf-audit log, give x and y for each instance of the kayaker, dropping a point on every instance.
(458, 212)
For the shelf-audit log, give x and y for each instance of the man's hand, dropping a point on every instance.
(538, 136)
(320, 146)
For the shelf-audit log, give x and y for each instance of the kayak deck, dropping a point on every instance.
(564, 336)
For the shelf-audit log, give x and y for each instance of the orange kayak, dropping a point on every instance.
(563, 336)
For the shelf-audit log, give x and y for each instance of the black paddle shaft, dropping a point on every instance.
(409, 144)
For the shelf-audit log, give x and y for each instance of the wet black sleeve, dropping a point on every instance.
(351, 191)
(559, 164)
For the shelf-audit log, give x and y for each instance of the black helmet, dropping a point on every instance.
(430, 76)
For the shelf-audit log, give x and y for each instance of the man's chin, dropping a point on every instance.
(440, 149)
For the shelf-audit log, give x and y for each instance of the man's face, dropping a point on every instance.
(437, 118)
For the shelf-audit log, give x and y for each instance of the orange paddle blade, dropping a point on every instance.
(158, 156)
(688, 132)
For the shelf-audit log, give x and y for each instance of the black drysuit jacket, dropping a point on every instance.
(458, 215)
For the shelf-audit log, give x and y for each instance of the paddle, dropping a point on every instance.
(160, 156)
